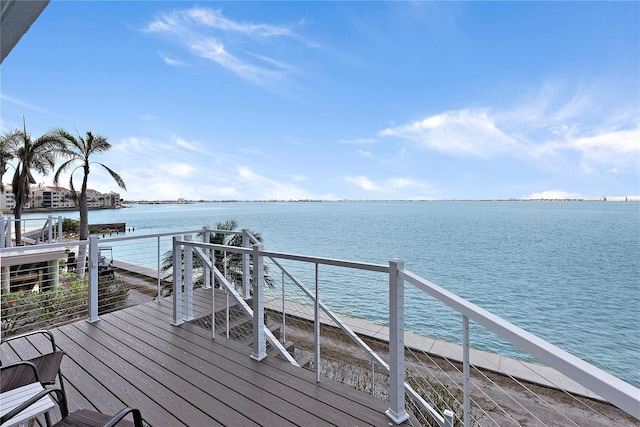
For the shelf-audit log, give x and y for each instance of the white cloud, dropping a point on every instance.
(620, 149)
(365, 153)
(358, 141)
(214, 19)
(390, 186)
(172, 62)
(148, 117)
(554, 195)
(551, 128)
(181, 170)
(201, 31)
(462, 132)
(269, 189)
(363, 182)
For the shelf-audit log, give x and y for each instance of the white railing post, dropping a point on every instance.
(9, 242)
(396, 411)
(206, 238)
(316, 326)
(158, 278)
(188, 280)
(466, 372)
(177, 282)
(50, 229)
(283, 338)
(246, 243)
(93, 279)
(449, 418)
(4, 231)
(259, 342)
(60, 229)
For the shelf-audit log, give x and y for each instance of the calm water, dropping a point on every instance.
(568, 272)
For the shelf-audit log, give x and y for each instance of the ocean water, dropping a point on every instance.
(568, 272)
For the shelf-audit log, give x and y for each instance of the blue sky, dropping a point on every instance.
(340, 100)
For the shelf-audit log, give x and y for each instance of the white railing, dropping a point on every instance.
(599, 383)
(31, 230)
(309, 289)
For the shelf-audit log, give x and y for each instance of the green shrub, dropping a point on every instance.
(27, 310)
(70, 225)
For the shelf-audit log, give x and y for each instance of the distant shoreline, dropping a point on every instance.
(190, 202)
(53, 210)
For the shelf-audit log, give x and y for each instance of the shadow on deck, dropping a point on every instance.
(180, 376)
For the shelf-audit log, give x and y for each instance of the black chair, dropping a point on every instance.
(81, 418)
(47, 366)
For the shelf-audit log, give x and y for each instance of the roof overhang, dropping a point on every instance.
(16, 16)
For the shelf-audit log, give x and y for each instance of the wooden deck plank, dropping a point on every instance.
(98, 382)
(347, 392)
(178, 372)
(223, 368)
(337, 407)
(179, 375)
(143, 377)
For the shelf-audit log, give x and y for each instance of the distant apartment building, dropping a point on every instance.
(59, 198)
(7, 200)
(51, 198)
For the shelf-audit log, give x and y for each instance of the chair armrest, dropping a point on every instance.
(48, 334)
(137, 417)
(62, 402)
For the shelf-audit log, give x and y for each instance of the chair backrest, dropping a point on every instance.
(17, 374)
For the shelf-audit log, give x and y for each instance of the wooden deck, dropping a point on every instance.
(180, 376)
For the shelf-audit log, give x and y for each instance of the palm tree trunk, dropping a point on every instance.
(84, 234)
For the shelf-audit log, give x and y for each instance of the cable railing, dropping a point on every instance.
(344, 320)
(33, 230)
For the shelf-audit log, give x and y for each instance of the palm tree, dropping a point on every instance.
(7, 153)
(80, 150)
(231, 263)
(38, 155)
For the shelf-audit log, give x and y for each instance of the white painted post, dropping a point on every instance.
(213, 310)
(93, 279)
(50, 229)
(466, 372)
(9, 243)
(259, 342)
(188, 280)
(59, 229)
(448, 418)
(227, 314)
(3, 229)
(206, 238)
(316, 327)
(177, 282)
(158, 278)
(396, 411)
(284, 315)
(246, 243)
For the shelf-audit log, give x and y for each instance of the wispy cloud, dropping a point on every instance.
(462, 132)
(391, 186)
(358, 141)
(365, 153)
(554, 195)
(172, 62)
(26, 105)
(207, 33)
(268, 188)
(617, 150)
(548, 125)
(148, 117)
